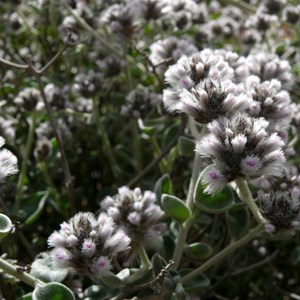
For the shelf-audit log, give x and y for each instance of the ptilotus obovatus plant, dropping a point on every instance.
(153, 140)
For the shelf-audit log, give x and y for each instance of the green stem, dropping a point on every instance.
(25, 277)
(144, 257)
(246, 196)
(136, 143)
(44, 168)
(162, 164)
(105, 141)
(222, 254)
(23, 171)
(145, 266)
(184, 229)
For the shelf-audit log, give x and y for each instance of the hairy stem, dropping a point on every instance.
(222, 254)
(24, 165)
(25, 277)
(246, 196)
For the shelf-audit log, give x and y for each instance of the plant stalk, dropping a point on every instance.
(184, 229)
(225, 252)
(246, 196)
(24, 165)
(25, 277)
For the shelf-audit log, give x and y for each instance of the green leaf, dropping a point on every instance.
(180, 292)
(52, 291)
(113, 281)
(237, 221)
(43, 268)
(170, 134)
(95, 292)
(163, 186)
(186, 146)
(145, 277)
(175, 208)
(198, 251)
(195, 284)
(26, 297)
(216, 203)
(35, 215)
(158, 263)
(123, 274)
(5, 225)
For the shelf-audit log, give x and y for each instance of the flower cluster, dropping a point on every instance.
(8, 162)
(86, 245)
(168, 51)
(137, 213)
(208, 100)
(269, 101)
(281, 209)
(140, 102)
(239, 146)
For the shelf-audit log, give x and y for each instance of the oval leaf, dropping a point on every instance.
(216, 203)
(158, 263)
(113, 281)
(175, 208)
(43, 268)
(186, 146)
(195, 284)
(198, 251)
(52, 291)
(163, 186)
(5, 225)
(237, 221)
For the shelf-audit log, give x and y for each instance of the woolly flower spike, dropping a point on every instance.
(137, 213)
(281, 209)
(86, 245)
(29, 99)
(189, 71)
(8, 162)
(167, 51)
(239, 146)
(270, 102)
(269, 66)
(209, 100)
(140, 102)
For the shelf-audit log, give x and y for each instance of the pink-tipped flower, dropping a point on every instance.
(82, 242)
(239, 146)
(135, 211)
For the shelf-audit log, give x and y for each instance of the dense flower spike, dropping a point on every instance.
(8, 162)
(239, 146)
(168, 51)
(269, 66)
(137, 213)
(208, 100)
(281, 209)
(189, 71)
(202, 71)
(29, 99)
(290, 180)
(270, 102)
(86, 245)
(140, 102)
